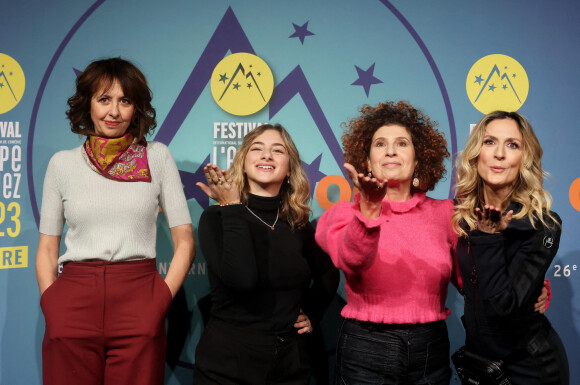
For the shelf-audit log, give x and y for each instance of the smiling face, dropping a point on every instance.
(111, 111)
(267, 164)
(500, 157)
(392, 154)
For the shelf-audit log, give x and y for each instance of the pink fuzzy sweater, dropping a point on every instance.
(397, 267)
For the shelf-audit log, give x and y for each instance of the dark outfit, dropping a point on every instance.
(260, 279)
(502, 278)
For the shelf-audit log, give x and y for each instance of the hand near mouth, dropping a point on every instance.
(490, 220)
(220, 186)
(372, 191)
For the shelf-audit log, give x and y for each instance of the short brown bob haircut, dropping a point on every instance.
(102, 74)
(429, 144)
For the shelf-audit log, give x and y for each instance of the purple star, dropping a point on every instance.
(313, 172)
(366, 78)
(301, 32)
(190, 189)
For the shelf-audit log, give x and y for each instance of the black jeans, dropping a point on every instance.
(231, 355)
(372, 353)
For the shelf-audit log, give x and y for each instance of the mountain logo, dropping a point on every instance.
(497, 82)
(12, 83)
(242, 84)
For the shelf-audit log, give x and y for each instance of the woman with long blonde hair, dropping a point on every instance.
(270, 282)
(508, 238)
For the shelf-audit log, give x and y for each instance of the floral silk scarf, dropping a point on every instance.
(122, 159)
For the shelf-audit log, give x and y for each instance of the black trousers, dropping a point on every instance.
(230, 355)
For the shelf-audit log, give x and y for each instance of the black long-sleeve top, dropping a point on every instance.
(260, 278)
(499, 315)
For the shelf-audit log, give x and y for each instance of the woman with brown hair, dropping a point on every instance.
(508, 239)
(105, 312)
(395, 247)
(270, 282)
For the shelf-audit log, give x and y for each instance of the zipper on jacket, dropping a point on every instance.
(473, 277)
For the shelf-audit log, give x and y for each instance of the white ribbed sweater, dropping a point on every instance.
(107, 219)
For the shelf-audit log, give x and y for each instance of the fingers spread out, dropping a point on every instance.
(370, 188)
(220, 186)
(494, 215)
(352, 174)
(490, 219)
(205, 189)
(215, 175)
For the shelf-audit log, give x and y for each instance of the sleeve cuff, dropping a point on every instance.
(370, 223)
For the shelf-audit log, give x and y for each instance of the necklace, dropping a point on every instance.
(261, 220)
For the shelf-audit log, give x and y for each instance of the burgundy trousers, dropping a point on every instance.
(105, 324)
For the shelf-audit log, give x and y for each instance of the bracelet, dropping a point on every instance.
(230, 204)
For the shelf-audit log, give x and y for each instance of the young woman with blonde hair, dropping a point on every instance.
(270, 282)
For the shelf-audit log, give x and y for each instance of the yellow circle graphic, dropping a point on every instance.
(11, 83)
(497, 82)
(242, 84)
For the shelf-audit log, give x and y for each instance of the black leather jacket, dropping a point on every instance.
(502, 277)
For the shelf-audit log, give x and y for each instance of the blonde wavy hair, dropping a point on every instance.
(527, 190)
(294, 193)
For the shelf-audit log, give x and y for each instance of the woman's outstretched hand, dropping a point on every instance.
(490, 220)
(220, 186)
(371, 188)
(372, 191)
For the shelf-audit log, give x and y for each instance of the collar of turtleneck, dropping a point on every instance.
(265, 208)
(264, 204)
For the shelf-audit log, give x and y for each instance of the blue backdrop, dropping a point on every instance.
(328, 58)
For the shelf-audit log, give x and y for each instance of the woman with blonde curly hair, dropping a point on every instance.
(508, 239)
(270, 282)
(395, 248)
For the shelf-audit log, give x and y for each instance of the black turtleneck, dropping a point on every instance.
(260, 278)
